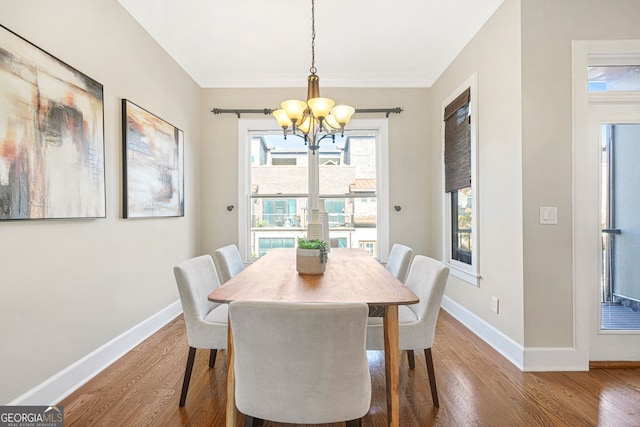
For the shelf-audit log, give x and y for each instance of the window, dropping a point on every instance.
(460, 195)
(614, 78)
(368, 246)
(274, 242)
(273, 187)
(461, 225)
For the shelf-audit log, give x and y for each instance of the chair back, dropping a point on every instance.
(229, 262)
(427, 279)
(399, 261)
(196, 279)
(301, 363)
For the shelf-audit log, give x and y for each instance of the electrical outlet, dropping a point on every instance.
(495, 302)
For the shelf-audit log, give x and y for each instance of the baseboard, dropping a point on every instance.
(504, 345)
(549, 359)
(59, 386)
(528, 359)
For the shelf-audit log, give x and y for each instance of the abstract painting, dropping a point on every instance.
(51, 136)
(153, 164)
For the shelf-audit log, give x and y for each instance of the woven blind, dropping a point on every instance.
(457, 143)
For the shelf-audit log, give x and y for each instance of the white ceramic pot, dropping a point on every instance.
(308, 262)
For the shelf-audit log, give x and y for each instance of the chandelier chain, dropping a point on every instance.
(313, 68)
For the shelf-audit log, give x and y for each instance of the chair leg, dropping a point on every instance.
(250, 421)
(212, 357)
(412, 360)
(432, 376)
(187, 375)
(354, 423)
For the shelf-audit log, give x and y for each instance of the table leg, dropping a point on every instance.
(392, 363)
(231, 410)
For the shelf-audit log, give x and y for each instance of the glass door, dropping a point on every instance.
(616, 333)
(620, 291)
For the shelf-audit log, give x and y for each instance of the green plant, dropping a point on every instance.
(305, 243)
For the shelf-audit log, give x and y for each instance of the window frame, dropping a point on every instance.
(247, 127)
(467, 272)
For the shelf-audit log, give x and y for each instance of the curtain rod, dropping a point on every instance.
(267, 111)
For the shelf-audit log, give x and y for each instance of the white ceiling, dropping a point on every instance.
(267, 43)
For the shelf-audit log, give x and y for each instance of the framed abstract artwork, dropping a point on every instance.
(153, 164)
(51, 136)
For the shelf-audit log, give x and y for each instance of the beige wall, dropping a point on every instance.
(494, 54)
(548, 26)
(408, 157)
(69, 286)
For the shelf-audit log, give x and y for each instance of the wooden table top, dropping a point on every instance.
(352, 275)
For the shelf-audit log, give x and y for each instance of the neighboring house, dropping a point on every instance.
(279, 212)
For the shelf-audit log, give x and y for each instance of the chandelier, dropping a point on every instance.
(317, 118)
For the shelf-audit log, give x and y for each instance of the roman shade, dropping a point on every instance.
(457, 143)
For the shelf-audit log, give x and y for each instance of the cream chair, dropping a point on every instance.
(206, 321)
(399, 261)
(228, 261)
(300, 363)
(397, 264)
(417, 322)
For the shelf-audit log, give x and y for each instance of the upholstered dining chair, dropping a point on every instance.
(228, 261)
(417, 322)
(397, 264)
(302, 363)
(206, 321)
(399, 261)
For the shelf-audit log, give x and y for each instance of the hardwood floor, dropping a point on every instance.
(476, 387)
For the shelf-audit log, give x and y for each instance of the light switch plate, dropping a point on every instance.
(548, 215)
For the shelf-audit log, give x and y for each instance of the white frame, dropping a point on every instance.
(379, 126)
(586, 265)
(466, 272)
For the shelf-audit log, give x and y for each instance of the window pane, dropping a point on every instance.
(620, 78)
(279, 183)
(461, 244)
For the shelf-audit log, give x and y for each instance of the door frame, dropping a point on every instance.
(586, 237)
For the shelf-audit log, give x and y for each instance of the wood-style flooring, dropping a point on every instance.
(476, 387)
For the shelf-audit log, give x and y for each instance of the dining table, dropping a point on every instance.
(351, 275)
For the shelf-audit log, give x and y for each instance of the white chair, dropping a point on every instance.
(399, 261)
(397, 264)
(302, 363)
(417, 322)
(228, 261)
(206, 321)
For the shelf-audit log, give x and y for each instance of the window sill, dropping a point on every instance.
(464, 274)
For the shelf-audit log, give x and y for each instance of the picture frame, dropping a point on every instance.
(153, 164)
(52, 154)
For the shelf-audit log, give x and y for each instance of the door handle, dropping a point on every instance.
(612, 231)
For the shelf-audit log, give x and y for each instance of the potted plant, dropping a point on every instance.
(311, 256)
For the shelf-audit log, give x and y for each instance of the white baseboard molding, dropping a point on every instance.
(59, 386)
(531, 359)
(547, 359)
(504, 345)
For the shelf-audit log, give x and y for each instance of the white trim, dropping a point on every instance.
(462, 272)
(527, 359)
(65, 382)
(468, 273)
(585, 270)
(550, 359)
(504, 345)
